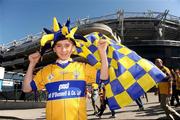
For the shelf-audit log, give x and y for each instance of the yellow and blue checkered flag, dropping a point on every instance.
(130, 76)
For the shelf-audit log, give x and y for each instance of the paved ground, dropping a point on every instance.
(152, 111)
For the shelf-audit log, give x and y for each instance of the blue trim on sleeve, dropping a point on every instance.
(106, 81)
(98, 79)
(33, 85)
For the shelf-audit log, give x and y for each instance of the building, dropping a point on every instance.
(151, 34)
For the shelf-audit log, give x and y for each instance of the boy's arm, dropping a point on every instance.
(33, 58)
(102, 46)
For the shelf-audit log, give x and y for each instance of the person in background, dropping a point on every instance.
(88, 92)
(104, 102)
(177, 78)
(176, 87)
(145, 96)
(65, 80)
(140, 104)
(165, 90)
(94, 96)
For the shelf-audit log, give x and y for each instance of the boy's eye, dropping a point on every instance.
(59, 46)
(66, 45)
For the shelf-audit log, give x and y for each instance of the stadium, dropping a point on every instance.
(151, 34)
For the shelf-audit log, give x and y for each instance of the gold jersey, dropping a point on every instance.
(65, 85)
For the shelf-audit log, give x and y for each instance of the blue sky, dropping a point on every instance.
(19, 18)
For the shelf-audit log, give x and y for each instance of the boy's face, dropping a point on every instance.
(64, 49)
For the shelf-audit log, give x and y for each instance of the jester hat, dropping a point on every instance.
(59, 33)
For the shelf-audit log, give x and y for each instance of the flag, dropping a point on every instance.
(130, 75)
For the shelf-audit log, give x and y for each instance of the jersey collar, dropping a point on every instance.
(63, 63)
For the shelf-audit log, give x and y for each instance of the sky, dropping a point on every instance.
(19, 18)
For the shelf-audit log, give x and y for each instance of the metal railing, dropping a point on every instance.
(16, 43)
(149, 14)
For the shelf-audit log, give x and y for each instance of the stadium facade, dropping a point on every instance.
(151, 34)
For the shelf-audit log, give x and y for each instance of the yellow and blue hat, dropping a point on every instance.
(59, 33)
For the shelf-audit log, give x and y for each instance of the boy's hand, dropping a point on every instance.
(102, 45)
(34, 58)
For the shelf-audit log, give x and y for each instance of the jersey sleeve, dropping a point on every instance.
(92, 75)
(38, 82)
